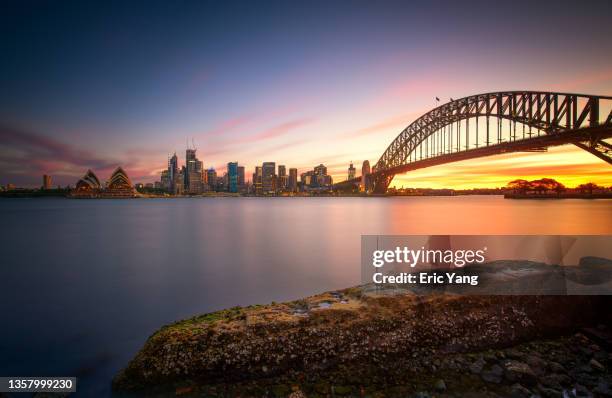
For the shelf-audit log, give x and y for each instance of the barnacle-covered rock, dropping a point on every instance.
(354, 337)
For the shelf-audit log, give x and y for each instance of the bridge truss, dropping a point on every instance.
(493, 123)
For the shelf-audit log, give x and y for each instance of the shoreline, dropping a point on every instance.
(20, 195)
(352, 342)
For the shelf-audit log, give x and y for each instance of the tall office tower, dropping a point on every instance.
(46, 181)
(190, 154)
(179, 186)
(164, 180)
(351, 171)
(232, 177)
(193, 180)
(258, 180)
(268, 178)
(292, 180)
(205, 186)
(365, 176)
(173, 174)
(211, 177)
(320, 170)
(241, 181)
(282, 178)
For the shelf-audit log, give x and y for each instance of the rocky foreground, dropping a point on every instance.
(353, 343)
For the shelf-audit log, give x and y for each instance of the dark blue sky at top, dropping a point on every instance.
(133, 71)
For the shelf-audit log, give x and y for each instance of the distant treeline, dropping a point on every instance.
(551, 186)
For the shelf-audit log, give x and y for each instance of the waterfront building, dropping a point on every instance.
(232, 177)
(365, 177)
(193, 176)
(351, 171)
(46, 182)
(87, 187)
(165, 180)
(282, 182)
(307, 178)
(241, 181)
(281, 178)
(269, 178)
(173, 175)
(320, 170)
(258, 180)
(316, 179)
(211, 177)
(119, 185)
(292, 180)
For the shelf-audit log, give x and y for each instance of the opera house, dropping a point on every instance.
(119, 186)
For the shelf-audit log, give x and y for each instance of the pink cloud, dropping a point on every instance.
(277, 131)
(584, 80)
(229, 125)
(395, 121)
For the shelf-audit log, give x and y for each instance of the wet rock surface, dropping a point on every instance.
(348, 343)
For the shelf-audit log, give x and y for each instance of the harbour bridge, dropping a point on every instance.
(494, 123)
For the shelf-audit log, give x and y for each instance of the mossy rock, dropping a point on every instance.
(281, 390)
(343, 390)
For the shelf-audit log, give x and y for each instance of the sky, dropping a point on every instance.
(102, 84)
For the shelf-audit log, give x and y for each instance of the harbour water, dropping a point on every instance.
(85, 282)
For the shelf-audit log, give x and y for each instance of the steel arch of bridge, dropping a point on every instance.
(558, 118)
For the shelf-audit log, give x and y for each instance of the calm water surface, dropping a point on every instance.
(85, 282)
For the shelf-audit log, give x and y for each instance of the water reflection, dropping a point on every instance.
(85, 282)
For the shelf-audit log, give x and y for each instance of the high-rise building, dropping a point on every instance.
(282, 178)
(258, 180)
(190, 154)
(232, 177)
(173, 175)
(365, 176)
(165, 179)
(292, 180)
(241, 181)
(351, 171)
(316, 179)
(211, 177)
(46, 181)
(307, 178)
(269, 178)
(193, 177)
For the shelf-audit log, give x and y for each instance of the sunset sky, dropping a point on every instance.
(96, 85)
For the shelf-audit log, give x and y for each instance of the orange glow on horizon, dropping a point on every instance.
(567, 164)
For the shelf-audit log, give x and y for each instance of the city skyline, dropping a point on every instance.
(323, 84)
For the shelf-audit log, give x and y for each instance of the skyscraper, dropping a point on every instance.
(351, 171)
(193, 177)
(211, 178)
(232, 177)
(282, 178)
(258, 180)
(241, 181)
(46, 181)
(173, 175)
(165, 180)
(268, 178)
(292, 180)
(190, 154)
